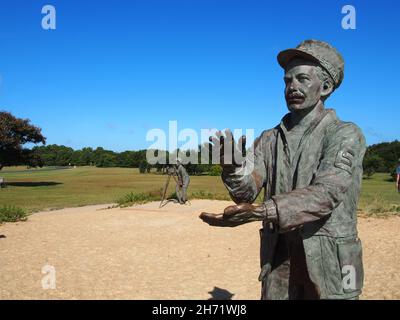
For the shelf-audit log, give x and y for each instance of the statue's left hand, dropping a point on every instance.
(235, 215)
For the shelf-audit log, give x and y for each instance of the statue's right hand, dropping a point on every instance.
(230, 153)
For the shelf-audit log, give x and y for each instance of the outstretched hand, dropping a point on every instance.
(230, 153)
(235, 215)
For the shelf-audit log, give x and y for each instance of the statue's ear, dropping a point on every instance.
(327, 88)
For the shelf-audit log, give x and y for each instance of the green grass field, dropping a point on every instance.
(38, 189)
(49, 188)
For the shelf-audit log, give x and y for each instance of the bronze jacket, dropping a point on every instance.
(183, 176)
(317, 192)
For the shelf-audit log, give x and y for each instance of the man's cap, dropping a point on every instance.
(320, 52)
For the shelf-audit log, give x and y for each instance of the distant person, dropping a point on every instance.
(398, 176)
(183, 182)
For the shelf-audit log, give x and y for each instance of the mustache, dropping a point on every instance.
(295, 94)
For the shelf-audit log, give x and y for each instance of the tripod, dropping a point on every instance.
(170, 173)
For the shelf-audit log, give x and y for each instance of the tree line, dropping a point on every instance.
(382, 157)
(56, 155)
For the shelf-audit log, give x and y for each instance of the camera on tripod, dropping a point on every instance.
(171, 170)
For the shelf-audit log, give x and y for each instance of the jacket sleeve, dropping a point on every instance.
(340, 164)
(245, 183)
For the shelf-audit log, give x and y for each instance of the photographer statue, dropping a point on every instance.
(183, 182)
(310, 168)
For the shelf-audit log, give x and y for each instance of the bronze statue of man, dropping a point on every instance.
(183, 182)
(310, 168)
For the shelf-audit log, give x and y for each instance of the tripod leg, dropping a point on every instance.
(165, 190)
(177, 190)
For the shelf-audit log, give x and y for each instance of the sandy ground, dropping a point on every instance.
(144, 252)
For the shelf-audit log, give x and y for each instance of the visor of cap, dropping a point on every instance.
(284, 57)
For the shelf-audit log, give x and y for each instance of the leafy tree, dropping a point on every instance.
(14, 134)
(106, 159)
(83, 157)
(389, 152)
(142, 166)
(54, 155)
(371, 164)
(393, 174)
(216, 170)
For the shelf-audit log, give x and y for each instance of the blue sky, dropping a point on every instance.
(112, 70)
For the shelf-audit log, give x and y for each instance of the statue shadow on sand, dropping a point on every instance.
(33, 184)
(220, 294)
(165, 202)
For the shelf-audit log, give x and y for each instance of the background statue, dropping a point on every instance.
(183, 182)
(310, 168)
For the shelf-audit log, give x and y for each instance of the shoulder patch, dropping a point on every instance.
(344, 159)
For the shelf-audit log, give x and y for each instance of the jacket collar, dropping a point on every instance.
(329, 114)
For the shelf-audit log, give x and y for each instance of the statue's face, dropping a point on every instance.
(302, 85)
